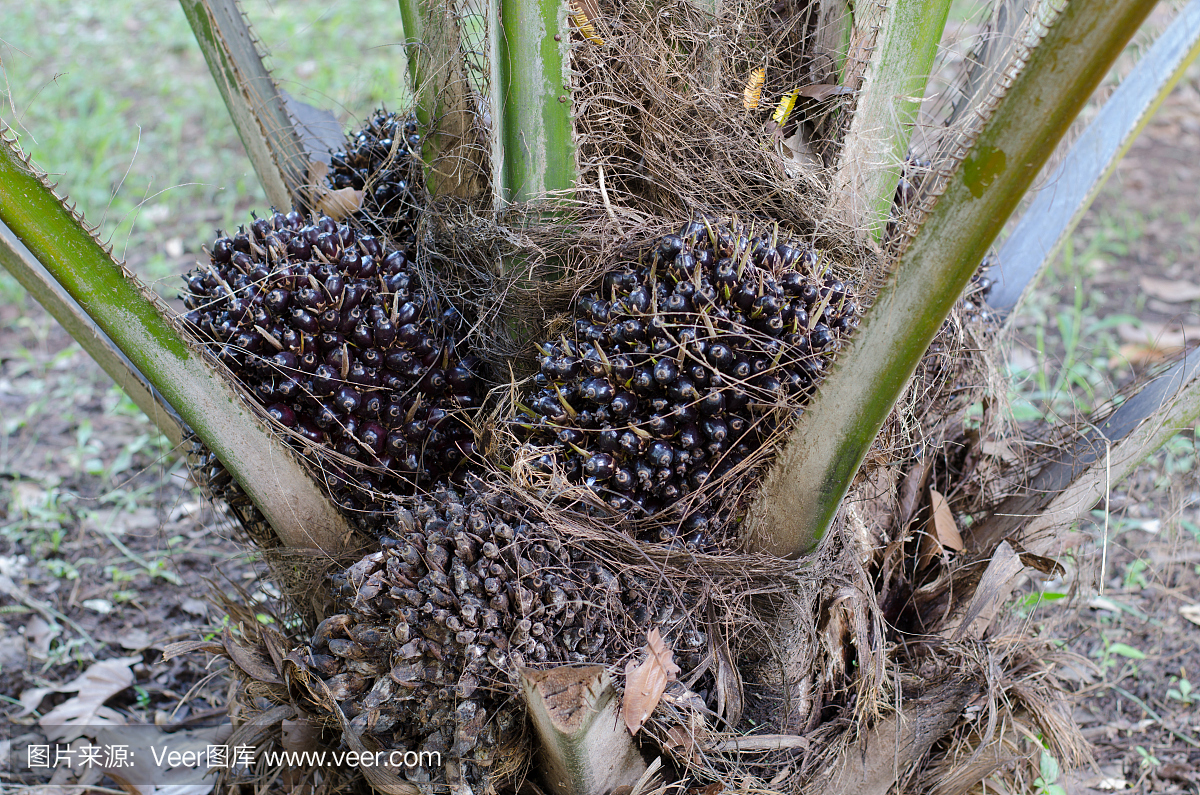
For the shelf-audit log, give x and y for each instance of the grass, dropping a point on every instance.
(128, 118)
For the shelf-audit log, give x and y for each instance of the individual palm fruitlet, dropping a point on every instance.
(378, 160)
(682, 365)
(975, 297)
(430, 628)
(332, 332)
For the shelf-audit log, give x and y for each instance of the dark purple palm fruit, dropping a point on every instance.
(363, 366)
(680, 361)
(465, 590)
(975, 299)
(378, 159)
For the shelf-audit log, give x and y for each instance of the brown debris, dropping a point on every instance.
(646, 682)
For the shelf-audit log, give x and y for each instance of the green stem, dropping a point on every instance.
(445, 105)
(1094, 156)
(265, 467)
(538, 128)
(886, 110)
(813, 472)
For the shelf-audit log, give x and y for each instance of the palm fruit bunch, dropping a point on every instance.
(378, 160)
(332, 332)
(679, 366)
(430, 630)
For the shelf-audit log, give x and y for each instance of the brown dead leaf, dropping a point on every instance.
(1191, 613)
(1173, 291)
(339, 204)
(944, 526)
(941, 531)
(797, 153)
(646, 682)
(86, 709)
(1160, 335)
(1000, 449)
(1141, 355)
(1043, 564)
(680, 738)
(823, 91)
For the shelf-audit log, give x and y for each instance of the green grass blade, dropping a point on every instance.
(255, 104)
(804, 489)
(539, 140)
(1039, 235)
(31, 275)
(886, 108)
(267, 470)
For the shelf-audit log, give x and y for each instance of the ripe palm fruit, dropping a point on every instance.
(469, 590)
(678, 365)
(378, 160)
(333, 334)
(975, 298)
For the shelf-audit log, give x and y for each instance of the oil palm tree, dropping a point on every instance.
(525, 111)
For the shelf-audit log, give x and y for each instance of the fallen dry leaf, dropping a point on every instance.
(1000, 449)
(337, 204)
(86, 710)
(646, 682)
(1141, 354)
(681, 738)
(797, 153)
(1161, 335)
(1191, 613)
(1173, 291)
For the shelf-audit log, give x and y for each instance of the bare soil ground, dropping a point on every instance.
(107, 550)
(1137, 611)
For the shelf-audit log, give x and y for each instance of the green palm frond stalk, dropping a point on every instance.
(31, 275)
(886, 108)
(1094, 156)
(254, 101)
(538, 128)
(813, 473)
(268, 471)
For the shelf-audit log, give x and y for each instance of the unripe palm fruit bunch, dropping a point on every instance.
(332, 332)
(678, 367)
(430, 629)
(378, 160)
